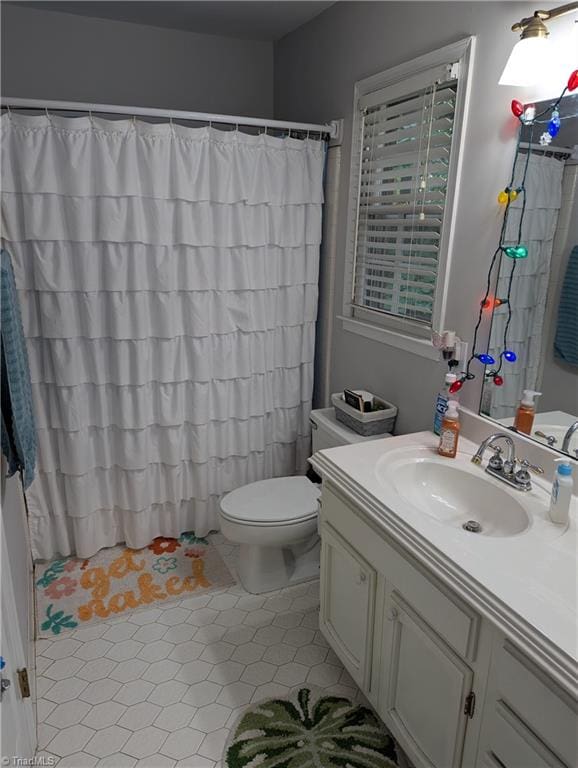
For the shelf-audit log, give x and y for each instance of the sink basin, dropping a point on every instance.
(455, 495)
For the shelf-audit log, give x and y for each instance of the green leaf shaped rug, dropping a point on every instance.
(299, 733)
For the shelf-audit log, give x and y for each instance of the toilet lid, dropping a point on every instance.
(281, 500)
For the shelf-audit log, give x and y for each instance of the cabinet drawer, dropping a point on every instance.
(514, 745)
(548, 712)
(453, 620)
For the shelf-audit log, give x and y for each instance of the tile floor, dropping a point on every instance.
(164, 686)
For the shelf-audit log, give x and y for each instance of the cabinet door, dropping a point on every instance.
(425, 688)
(348, 585)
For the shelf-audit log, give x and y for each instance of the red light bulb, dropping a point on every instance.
(518, 107)
(456, 386)
(498, 380)
(573, 81)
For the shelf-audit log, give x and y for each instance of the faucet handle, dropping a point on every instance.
(536, 468)
(550, 439)
(496, 462)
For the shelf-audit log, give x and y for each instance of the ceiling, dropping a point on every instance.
(264, 20)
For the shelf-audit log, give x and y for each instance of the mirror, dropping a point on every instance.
(543, 308)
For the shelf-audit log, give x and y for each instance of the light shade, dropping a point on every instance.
(527, 62)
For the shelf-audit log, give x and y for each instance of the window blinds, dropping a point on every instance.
(405, 152)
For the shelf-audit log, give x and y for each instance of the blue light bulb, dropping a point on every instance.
(509, 355)
(485, 359)
(554, 124)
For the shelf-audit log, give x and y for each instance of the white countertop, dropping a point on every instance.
(526, 584)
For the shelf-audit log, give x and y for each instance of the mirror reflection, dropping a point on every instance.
(543, 325)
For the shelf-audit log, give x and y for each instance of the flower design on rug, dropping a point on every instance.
(194, 552)
(56, 622)
(52, 572)
(70, 565)
(164, 564)
(190, 538)
(161, 545)
(282, 733)
(63, 587)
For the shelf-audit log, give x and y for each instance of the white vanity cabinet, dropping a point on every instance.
(448, 684)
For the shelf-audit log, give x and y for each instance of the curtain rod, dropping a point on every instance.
(329, 129)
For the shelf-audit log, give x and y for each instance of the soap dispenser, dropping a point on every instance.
(526, 411)
(562, 489)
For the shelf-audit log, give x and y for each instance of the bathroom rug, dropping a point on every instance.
(72, 593)
(310, 729)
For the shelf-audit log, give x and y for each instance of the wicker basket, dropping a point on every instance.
(366, 424)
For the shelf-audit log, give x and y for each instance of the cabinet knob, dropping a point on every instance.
(392, 614)
(362, 577)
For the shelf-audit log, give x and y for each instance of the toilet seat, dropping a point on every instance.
(277, 502)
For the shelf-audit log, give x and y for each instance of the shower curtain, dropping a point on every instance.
(168, 284)
(530, 284)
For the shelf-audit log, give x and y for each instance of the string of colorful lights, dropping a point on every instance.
(527, 117)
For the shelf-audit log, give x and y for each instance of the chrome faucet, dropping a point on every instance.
(505, 469)
(568, 436)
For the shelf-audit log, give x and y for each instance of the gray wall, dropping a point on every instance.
(315, 70)
(62, 56)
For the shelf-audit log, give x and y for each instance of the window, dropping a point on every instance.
(407, 127)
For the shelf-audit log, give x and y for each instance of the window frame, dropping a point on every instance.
(396, 331)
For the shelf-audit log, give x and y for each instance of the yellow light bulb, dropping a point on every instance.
(503, 198)
(513, 195)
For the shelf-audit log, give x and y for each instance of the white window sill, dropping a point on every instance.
(421, 347)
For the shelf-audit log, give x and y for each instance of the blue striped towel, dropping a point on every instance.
(566, 340)
(18, 426)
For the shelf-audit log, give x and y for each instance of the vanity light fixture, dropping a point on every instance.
(530, 55)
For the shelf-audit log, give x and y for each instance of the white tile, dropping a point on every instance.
(271, 691)
(311, 620)
(310, 655)
(139, 716)
(210, 718)
(117, 760)
(124, 650)
(156, 651)
(179, 634)
(131, 669)
(119, 632)
(132, 693)
(250, 602)
(69, 713)
(291, 674)
(236, 694)
(279, 654)
(168, 693)
(145, 742)
(194, 672)
(259, 618)
(62, 649)
(203, 693)
(194, 603)
(238, 635)
(223, 602)
(231, 618)
(142, 618)
(269, 635)
(288, 620)
(90, 633)
(248, 653)
(202, 617)
(70, 740)
(45, 734)
(175, 717)
(217, 652)
(174, 616)
(320, 640)
(183, 743)
(62, 668)
(94, 649)
(188, 651)
(43, 685)
(107, 741)
(99, 691)
(305, 603)
(209, 634)
(150, 632)
(96, 669)
(156, 761)
(66, 690)
(159, 671)
(214, 744)
(78, 760)
(42, 663)
(259, 673)
(324, 675)
(103, 715)
(226, 672)
(44, 708)
(277, 603)
(197, 761)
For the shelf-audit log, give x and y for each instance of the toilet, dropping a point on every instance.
(275, 521)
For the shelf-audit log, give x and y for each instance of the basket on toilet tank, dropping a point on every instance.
(366, 424)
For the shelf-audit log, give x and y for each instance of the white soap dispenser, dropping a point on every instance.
(562, 488)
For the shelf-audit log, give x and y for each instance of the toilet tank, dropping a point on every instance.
(327, 432)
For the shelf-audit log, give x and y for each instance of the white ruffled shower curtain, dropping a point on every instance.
(168, 286)
(530, 283)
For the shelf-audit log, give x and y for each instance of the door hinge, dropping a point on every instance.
(23, 682)
(470, 705)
